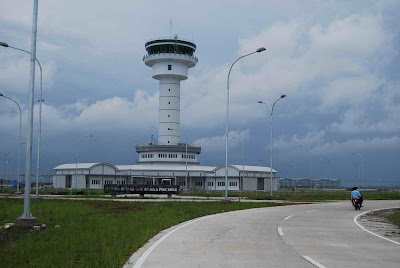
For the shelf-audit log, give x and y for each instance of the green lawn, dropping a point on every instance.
(93, 233)
(395, 218)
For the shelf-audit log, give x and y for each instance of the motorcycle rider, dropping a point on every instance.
(355, 194)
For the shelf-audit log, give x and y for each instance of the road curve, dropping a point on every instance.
(315, 235)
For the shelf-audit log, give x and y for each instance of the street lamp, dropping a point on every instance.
(187, 182)
(7, 160)
(309, 150)
(76, 159)
(19, 144)
(261, 49)
(362, 164)
(329, 162)
(241, 178)
(3, 44)
(271, 109)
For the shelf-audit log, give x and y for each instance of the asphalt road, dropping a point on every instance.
(316, 235)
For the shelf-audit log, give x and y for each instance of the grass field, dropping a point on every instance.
(93, 233)
(395, 218)
(304, 195)
(298, 195)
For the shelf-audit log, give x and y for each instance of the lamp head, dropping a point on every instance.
(283, 96)
(3, 44)
(261, 49)
(259, 101)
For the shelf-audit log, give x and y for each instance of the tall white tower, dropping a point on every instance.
(170, 60)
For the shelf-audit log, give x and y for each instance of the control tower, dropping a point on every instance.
(170, 59)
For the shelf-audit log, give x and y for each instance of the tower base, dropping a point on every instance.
(26, 222)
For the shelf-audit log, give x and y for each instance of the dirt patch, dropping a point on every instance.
(13, 233)
(378, 222)
(117, 207)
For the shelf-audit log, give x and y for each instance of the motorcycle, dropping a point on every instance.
(357, 204)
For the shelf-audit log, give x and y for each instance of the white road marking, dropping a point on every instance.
(143, 258)
(359, 225)
(288, 217)
(311, 210)
(280, 231)
(314, 262)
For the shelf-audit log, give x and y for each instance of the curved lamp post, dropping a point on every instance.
(7, 160)
(329, 162)
(241, 178)
(309, 150)
(362, 164)
(76, 159)
(3, 44)
(261, 49)
(271, 109)
(19, 144)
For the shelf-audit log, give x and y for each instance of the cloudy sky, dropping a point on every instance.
(338, 63)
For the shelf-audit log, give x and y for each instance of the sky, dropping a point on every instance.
(338, 63)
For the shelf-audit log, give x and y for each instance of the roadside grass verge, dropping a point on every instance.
(303, 195)
(93, 233)
(53, 191)
(395, 217)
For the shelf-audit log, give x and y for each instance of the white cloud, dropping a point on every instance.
(217, 143)
(14, 73)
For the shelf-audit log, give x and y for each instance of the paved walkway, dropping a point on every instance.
(322, 235)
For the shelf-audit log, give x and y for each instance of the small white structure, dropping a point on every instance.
(194, 177)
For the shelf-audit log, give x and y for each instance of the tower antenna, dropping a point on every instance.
(170, 28)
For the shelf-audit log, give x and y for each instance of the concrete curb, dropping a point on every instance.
(368, 231)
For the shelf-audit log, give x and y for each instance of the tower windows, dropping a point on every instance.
(169, 67)
(169, 102)
(168, 141)
(169, 89)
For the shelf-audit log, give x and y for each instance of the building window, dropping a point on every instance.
(198, 183)
(168, 115)
(182, 183)
(210, 183)
(149, 182)
(169, 102)
(169, 89)
(233, 183)
(95, 182)
(221, 183)
(169, 67)
(168, 141)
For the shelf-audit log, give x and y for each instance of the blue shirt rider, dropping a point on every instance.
(355, 194)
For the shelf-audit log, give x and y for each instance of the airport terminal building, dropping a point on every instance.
(194, 177)
(167, 160)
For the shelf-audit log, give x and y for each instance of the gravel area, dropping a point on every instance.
(377, 222)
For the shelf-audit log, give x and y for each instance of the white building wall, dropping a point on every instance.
(179, 158)
(59, 181)
(78, 181)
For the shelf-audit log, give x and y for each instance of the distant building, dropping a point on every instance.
(167, 160)
(307, 183)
